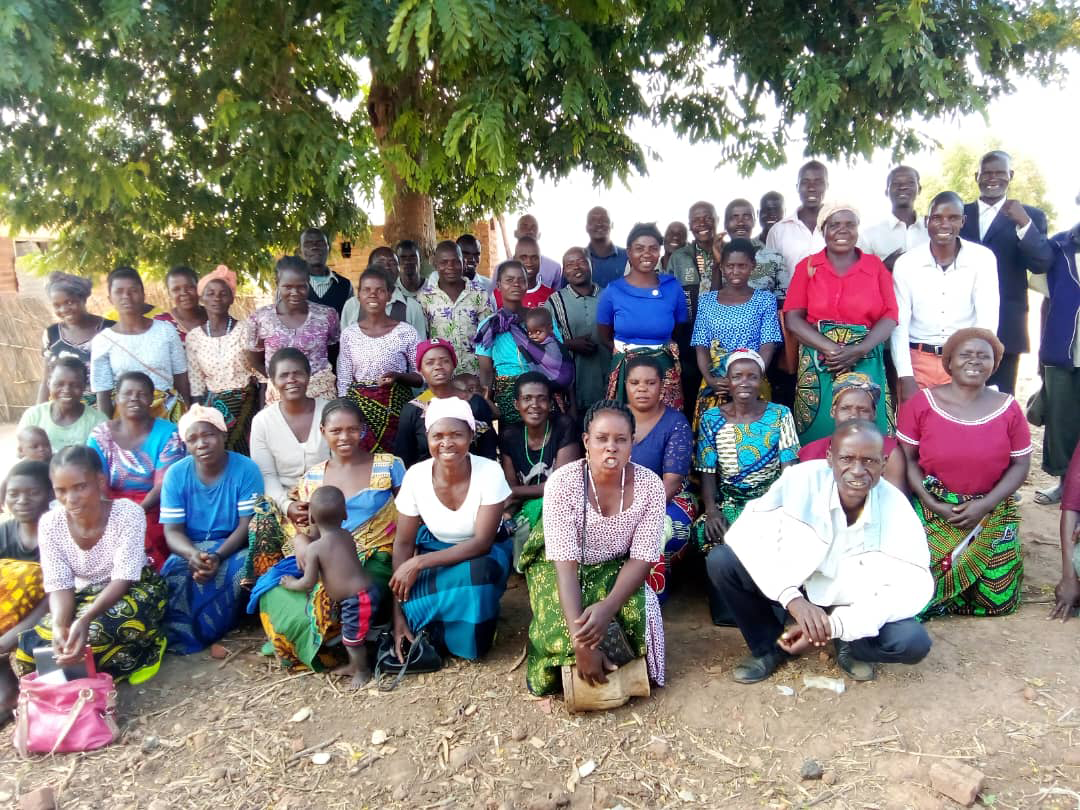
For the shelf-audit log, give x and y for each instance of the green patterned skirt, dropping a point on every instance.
(549, 646)
(814, 384)
(978, 572)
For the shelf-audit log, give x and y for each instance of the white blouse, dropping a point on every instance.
(417, 498)
(282, 459)
(119, 554)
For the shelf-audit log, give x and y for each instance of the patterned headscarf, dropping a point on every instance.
(75, 286)
(856, 380)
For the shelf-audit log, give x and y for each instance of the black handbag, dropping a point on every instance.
(420, 656)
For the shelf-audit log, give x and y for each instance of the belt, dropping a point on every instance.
(928, 348)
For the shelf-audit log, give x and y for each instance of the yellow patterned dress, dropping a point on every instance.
(21, 583)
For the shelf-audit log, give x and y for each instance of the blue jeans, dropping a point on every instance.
(902, 642)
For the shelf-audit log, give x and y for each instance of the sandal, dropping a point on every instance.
(1048, 497)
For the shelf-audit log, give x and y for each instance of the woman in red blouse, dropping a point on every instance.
(842, 308)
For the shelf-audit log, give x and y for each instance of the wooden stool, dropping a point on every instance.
(629, 680)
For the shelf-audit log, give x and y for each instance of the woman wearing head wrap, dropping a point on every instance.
(856, 396)
(436, 362)
(304, 627)
(70, 336)
(842, 308)
(968, 450)
(207, 500)
(639, 313)
(451, 557)
(742, 447)
(217, 359)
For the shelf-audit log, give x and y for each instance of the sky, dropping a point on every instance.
(1041, 122)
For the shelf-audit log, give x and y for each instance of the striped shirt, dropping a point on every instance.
(210, 511)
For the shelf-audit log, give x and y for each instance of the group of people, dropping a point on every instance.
(346, 460)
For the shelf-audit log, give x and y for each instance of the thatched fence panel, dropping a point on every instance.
(22, 320)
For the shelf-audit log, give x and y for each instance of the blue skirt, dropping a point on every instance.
(459, 604)
(198, 615)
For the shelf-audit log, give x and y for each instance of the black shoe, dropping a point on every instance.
(757, 668)
(856, 670)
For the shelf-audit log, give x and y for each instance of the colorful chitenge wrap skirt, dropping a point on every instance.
(976, 572)
(732, 498)
(381, 406)
(303, 629)
(167, 405)
(707, 397)
(459, 604)
(200, 614)
(670, 382)
(238, 406)
(681, 512)
(127, 639)
(22, 588)
(550, 647)
(814, 384)
(503, 393)
(321, 385)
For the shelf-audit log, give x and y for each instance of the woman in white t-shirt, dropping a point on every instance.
(451, 571)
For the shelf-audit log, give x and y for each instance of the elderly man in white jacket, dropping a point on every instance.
(842, 551)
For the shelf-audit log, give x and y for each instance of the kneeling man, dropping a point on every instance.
(838, 547)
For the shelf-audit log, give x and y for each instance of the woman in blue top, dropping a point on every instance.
(638, 314)
(207, 500)
(663, 443)
(736, 316)
(505, 351)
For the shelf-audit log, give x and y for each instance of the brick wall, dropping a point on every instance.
(351, 268)
(8, 282)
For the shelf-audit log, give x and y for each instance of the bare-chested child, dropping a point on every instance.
(332, 558)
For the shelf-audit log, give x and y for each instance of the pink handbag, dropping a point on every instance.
(78, 715)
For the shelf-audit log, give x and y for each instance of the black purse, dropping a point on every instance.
(420, 656)
(614, 645)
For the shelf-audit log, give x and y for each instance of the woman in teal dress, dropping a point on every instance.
(304, 628)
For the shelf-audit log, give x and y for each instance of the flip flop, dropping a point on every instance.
(1048, 497)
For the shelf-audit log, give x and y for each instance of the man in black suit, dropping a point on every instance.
(1016, 233)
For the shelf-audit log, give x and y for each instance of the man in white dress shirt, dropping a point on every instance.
(797, 236)
(942, 286)
(903, 229)
(856, 571)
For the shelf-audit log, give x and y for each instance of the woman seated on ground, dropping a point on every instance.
(504, 350)
(377, 364)
(65, 418)
(186, 315)
(736, 316)
(742, 448)
(70, 336)
(436, 361)
(136, 449)
(207, 500)
(842, 308)
(637, 315)
(303, 627)
(217, 360)
(286, 441)
(138, 343)
(451, 561)
(295, 322)
(968, 450)
(602, 530)
(1067, 591)
(22, 595)
(856, 396)
(531, 450)
(663, 444)
(101, 591)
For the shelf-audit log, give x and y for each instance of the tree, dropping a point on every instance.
(215, 130)
(960, 161)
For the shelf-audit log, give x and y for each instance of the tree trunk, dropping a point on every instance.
(409, 214)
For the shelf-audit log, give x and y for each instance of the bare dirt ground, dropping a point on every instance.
(999, 694)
